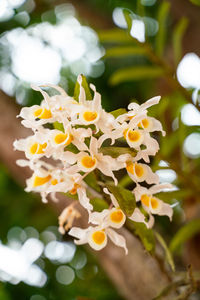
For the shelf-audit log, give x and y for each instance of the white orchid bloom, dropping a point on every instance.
(95, 159)
(136, 109)
(152, 204)
(137, 215)
(92, 111)
(34, 146)
(97, 237)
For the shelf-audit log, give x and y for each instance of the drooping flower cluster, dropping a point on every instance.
(68, 143)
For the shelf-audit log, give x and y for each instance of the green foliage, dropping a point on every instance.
(177, 38)
(124, 197)
(86, 88)
(162, 19)
(114, 36)
(184, 233)
(136, 73)
(116, 113)
(58, 126)
(99, 204)
(168, 254)
(117, 151)
(146, 235)
(196, 2)
(91, 180)
(125, 51)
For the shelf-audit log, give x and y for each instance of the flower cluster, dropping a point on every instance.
(68, 143)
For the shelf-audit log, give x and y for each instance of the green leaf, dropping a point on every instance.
(177, 38)
(116, 151)
(125, 181)
(125, 198)
(135, 73)
(175, 195)
(91, 180)
(118, 112)
(146, 235)
(127, 15)
(196, 2)
(99, 204)
(115, 35)
(161, 35)
(168, 254)
(86, 88)
(58, 126)
(125, 51)
(184, 234)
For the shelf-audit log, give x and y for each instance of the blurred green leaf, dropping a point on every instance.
(86, 88)
(185, 233)
(127, 15)
(168, 254)
(118, 112)
(115, 35)
(116, 151)
(125, 198)
(161, 35)
(58, 126)
(168, 196)
(196, 2)
(135, 73)
(177, 38)
(91, 180)
(125, 51)
(146, 235)
(99, 204)
(125, 181)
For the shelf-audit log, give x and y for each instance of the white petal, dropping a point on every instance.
(80, 234)
(83, 199)
(117, 239)
(112, 197)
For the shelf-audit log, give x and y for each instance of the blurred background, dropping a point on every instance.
(132, 51)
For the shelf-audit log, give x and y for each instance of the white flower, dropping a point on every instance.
(92, 111)
(96, 237)
(152, 204)
(95, 159)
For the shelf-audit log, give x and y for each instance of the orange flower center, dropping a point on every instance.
(90, 116)
(98, 237)
(134, 136)
(42, 113)
(145, 199)
(116, 216)
(41, 180)
(88, 162)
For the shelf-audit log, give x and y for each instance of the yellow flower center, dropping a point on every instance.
(90, 116)
(134, 136)
(42, 113)
(154, 203)
(74, 190)
(125, 132)
(145, 123)
(41, 180)
(54, 181)
(99, 237)
(145, 199)
(139, 171)
(129, 167)
(33, 148)
(60, 138)
(116, 216)
(41, 148)
(88, 162)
